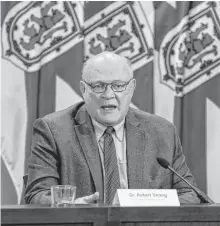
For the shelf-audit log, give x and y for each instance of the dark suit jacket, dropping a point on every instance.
(65, 151)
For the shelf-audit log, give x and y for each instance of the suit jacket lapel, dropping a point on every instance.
(135, 138)
(87, 139)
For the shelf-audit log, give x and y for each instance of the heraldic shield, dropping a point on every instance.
(190, 53)
(122, 28)
(34, 33)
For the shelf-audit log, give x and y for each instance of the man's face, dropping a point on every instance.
(109, 107)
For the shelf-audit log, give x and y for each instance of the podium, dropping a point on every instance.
(104, 215)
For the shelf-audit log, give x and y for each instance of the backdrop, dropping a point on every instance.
(174, 48)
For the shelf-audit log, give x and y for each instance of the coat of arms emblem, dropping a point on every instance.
(36, 32)
(190, 53)
(121, 27)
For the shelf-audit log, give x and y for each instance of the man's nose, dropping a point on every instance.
(109, 93)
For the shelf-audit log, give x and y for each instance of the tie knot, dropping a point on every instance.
(109, 130)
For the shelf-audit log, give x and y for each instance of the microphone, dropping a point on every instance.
(202, 196)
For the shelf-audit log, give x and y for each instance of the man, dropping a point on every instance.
(102, 144)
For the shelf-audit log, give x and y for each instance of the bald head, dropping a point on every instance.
(106, 64)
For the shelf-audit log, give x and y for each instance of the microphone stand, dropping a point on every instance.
(204, 198)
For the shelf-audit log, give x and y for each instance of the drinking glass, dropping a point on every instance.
(63, 195)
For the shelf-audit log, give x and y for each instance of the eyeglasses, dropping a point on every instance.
(101, 87)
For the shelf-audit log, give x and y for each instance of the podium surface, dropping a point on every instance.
(97, 215)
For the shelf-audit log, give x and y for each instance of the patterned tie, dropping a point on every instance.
(112, 182)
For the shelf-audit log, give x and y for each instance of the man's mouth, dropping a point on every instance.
(109, 107)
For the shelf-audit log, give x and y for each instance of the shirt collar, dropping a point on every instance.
(100, 129)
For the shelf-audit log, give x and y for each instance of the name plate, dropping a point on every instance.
(146, 197)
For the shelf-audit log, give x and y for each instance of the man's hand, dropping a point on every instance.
(87, 199)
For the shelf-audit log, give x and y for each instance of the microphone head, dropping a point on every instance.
(163, 162)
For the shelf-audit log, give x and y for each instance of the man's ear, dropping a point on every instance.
(82, 88)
